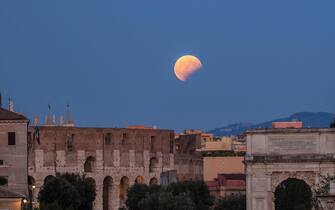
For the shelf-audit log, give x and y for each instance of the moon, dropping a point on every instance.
(185, 66)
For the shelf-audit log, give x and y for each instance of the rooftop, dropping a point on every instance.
(8, 115)
(290, 130)
(4, 193)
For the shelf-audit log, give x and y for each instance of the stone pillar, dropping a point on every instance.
(116, 196)
(116, 158)
(132, 158)
(171, 161)
(81, 160)
(39, 160)
(98, 198)
(160, 160)
(99, 160)
(146, 161)
(60, 158)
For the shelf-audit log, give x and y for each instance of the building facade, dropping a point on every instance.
(114, 158)
(280, 156)
(13, 159)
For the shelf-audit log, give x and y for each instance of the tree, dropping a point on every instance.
(176, 196)
(58, 192)
(135, 194)
(68, 191)
(234, 202)
(197, 190)
(85, 187)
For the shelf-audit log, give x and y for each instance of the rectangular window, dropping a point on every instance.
(152, 143)
(11, 138)
(1, 162)
(108, 138)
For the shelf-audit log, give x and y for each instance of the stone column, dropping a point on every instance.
(99, 160)
(146, 161)
(80, 160)
(60, 158)
(116, 196)
(116, 158)
(132, 158)
(39, 160)
(98, 198)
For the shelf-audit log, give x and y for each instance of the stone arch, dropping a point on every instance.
(292, 194)
(107, 193)
(153, 164)
(123, 189)
(153, 181)
(279, 177)
(139, 180)
(89, 164)
(48, 178)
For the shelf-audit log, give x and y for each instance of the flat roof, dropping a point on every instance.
(290, 130)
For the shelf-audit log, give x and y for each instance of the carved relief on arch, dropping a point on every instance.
(279, 177)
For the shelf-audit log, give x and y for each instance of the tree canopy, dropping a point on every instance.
(177, 196)
(68, 191)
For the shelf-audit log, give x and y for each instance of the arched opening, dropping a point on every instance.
(107, 193)
(293, 194)
(139, 180)
(89, 164)
(47, 178)
(124, 185)
(153, 181)
(153, 164)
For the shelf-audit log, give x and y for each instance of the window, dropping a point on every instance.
(3, 181)
(124, 137)
(11, 138)
(108, 138)
(1, 162)
(69, 143)
(152, 143)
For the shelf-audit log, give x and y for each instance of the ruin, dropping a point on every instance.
(115, 158)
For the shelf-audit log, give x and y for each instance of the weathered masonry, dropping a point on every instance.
(276, 157)
(114, 158)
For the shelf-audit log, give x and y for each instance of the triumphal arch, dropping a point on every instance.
(278, 159)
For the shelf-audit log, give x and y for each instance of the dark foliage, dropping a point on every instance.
(235, 202)
(69, 191)
(177, 196)
(59, 191)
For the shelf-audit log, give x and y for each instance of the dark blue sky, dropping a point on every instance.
(113, 60)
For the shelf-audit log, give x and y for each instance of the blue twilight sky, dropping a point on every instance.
(113, 60)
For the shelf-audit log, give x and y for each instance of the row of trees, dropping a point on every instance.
(179, 196)
(75, 192)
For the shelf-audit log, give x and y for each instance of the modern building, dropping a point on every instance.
(13, 159)
(227, 185)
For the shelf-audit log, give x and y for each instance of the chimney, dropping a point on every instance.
(0, 101)
(11, 105)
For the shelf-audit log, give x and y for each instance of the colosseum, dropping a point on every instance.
(115, 158)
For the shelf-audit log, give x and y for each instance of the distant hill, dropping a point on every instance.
(309, 119)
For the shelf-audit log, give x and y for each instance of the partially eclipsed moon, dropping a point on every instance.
(185, 66)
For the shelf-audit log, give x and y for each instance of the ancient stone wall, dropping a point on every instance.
(120, 156)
